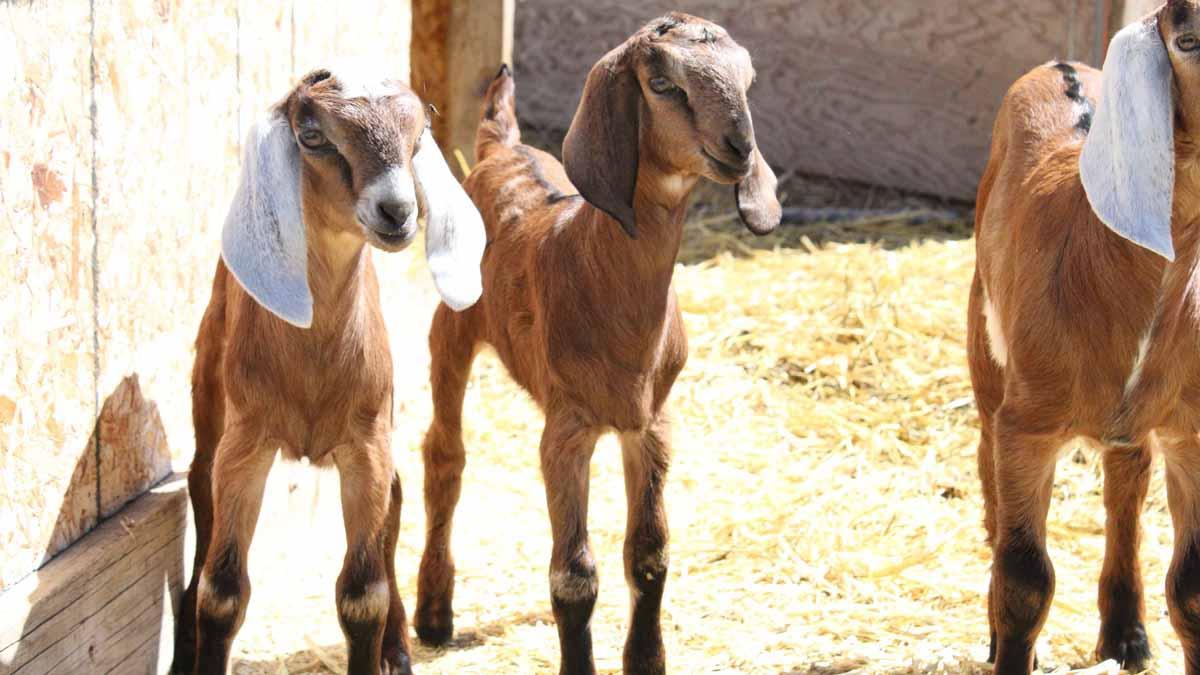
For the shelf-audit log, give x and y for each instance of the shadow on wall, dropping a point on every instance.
(101, 603)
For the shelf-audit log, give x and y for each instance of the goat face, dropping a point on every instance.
(675, 91)
(355, 157)
(357, 141)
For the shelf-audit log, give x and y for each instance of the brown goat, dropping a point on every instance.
(293, 353)
(583, 314)
(1074, 330)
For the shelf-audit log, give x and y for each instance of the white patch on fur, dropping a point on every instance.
(394, 184)
(1139, 362)
(372, 604)
(573, 588)
(364, 79)
(221, 607)
(995, 333)
(1128, 161)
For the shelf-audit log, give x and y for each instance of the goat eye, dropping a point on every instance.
(312, 138)
(661, 85)
(1187, 43)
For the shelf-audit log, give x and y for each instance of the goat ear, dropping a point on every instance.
(454, 232)
(600, 152)
(263, 242)
(1128, 161)
(757, 204)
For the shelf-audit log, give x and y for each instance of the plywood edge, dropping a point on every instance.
(108, 584)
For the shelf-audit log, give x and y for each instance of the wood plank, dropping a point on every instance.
(100, 605)
(47, 366)
(901, 93)
(454, 59)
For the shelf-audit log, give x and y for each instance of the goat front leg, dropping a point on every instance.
(1122, 609)
(239, 475)
(646, 454)
(1183, 577)
(566, 453)
(1022, 575)
(368, 601)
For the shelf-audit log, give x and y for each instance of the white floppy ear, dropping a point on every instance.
(454, 233)
(1128, 160)
(263, 242)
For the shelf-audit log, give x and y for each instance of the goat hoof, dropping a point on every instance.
(1127, 645)
(435, 634)
(400, 665)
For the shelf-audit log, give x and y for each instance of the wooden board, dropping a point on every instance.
(48, 400)
(899, 93)
(105, 605)
(456, 51)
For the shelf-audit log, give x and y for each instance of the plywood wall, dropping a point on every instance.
(893, 92)
(122, 121)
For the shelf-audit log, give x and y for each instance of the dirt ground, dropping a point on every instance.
(824, 507)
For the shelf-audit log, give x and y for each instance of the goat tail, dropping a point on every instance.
(498, 126)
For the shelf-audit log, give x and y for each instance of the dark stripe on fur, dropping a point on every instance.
(553, 194)
(1075, 93)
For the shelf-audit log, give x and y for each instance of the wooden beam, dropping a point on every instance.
(108, 602)
(456, 49)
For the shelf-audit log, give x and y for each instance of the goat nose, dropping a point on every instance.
(741, 146)
(393, 213)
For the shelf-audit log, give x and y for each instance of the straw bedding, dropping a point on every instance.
(824, 507)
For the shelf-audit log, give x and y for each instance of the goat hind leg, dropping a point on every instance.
(452, 349)
(1122, 609)
(646, 457)
(208, 421)
(1022, 583)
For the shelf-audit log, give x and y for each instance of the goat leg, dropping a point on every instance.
(646, 456)
(239, 477)
(1122, 609)
(368, 602)
(1022, 583)
(566, 452)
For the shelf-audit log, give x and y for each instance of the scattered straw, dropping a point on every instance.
(824, 506)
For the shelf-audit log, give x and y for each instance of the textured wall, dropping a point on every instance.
(894, 92)
(122, 122)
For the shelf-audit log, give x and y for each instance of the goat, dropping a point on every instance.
(1083, 323)
(292, 352)
(579, 304)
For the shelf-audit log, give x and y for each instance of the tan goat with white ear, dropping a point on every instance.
(1084, 322)
(293, 352)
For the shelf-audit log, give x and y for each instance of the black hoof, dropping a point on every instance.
(1128, 646)
(435, 634)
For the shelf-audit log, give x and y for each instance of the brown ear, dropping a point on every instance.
(600, 152)
(757, 204)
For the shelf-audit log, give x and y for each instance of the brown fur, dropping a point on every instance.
(322, 393)
(1072, 301)
(584, 316)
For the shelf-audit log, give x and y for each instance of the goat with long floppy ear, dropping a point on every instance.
(601, 150)
(344, 164)
(1128, 161)
(264, 241)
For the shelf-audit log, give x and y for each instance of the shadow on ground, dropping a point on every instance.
(331, 658)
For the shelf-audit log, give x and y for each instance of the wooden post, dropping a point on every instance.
(457, 47)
